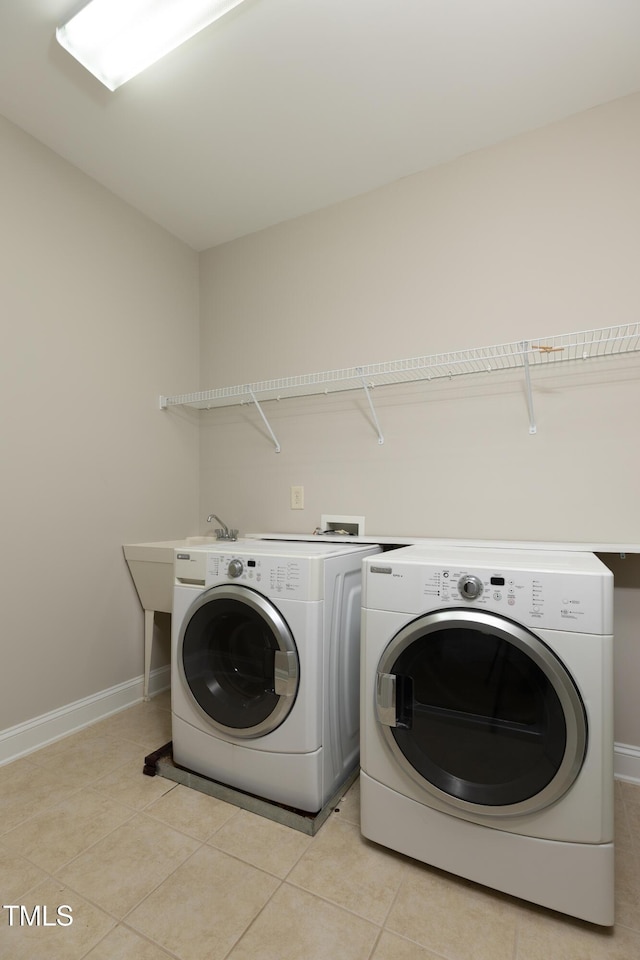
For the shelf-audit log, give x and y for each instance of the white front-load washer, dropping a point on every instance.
(266, 665)
(487, 719)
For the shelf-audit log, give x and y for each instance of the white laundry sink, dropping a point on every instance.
(151, 566)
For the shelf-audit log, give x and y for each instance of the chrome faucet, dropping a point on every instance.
(223, 532)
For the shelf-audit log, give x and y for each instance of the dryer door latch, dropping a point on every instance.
(386, 699)
(394, 700)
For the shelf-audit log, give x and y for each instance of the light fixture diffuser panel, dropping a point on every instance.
(117, 39)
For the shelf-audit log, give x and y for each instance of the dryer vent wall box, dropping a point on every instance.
(352, 526)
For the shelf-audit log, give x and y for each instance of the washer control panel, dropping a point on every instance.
(273, 576)
(288, 570)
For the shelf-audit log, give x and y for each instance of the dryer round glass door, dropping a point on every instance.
(239, 660)
(481, 713)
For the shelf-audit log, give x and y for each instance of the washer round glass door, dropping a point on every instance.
(481, 713)
(239, 659)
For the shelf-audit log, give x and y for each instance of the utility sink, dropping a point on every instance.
(151, 566)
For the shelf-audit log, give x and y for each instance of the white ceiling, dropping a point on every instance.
(286, 106)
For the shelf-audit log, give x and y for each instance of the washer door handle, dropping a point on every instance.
(386, 699)
(285, 673)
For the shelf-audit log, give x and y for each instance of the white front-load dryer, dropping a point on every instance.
(487, 719)
(265, 666)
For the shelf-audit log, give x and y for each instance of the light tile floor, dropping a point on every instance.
(152, 870)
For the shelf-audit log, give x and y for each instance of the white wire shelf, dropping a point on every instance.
(525, 354)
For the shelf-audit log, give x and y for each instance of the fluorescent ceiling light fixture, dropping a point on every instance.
(117, 39)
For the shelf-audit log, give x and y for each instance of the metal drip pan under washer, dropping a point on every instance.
(160, 763)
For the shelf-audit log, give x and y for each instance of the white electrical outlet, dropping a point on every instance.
(297, 498)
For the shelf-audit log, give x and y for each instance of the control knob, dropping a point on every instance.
(470, 587)
(235, 568)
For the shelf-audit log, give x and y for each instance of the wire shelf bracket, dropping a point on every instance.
(527, 377)
(266, 422)
(371, 406)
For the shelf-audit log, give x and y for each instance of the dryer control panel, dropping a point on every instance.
(526, 596)
(576, 600)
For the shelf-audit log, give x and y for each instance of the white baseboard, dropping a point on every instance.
(26, 737)
(626, 762)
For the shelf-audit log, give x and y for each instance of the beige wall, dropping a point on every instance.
(536, 236)
(99, 316)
